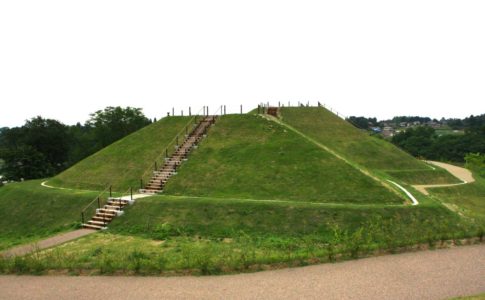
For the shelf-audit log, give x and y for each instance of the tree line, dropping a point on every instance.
(44, 147)
(423, 141)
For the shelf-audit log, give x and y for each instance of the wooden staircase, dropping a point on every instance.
(161, 176)
(114, 207)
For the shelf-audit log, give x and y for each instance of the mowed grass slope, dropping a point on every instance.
(469, 198)
(246, 156)
(178, 235)
(339, 135)
(124, 162)
(29, 211)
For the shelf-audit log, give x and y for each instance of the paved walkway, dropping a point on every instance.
(461, 173)
(438, 274)
(47, 243)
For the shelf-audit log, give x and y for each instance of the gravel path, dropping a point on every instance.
(47, 243)
(461, 173)
(438, 274)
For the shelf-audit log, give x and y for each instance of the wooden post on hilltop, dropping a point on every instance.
(190, 111)
(173, 112)
(241, 109)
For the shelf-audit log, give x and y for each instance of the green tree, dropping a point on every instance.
(113, 123)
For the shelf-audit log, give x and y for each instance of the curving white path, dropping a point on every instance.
(463, 174)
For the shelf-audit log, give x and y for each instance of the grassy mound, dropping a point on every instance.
(29, 211)
(354, 144)
(246, 156)
(124, 162)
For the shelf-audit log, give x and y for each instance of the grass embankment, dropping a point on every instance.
(358, 146)
(469, 199)
(167, 235)
(246, 156)
(438, 176)
(124, 162)
(29, 212)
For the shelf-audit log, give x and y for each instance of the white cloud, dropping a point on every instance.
(66, 59)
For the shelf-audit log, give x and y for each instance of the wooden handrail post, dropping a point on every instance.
(131, 193)
(141, 183)
(110, 194)
(156, 166)
(82, 217)
(166, 152)
(99, 204)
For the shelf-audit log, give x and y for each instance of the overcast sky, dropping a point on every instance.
(65, 59)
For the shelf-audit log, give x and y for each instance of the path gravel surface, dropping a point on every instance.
(47, 243)
(461, 173)
(438, 274)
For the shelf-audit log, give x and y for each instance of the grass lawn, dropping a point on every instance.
(354, 144)
(124, 162)
(438, 176)
(468, 199)
(29, 212)
(176, 235)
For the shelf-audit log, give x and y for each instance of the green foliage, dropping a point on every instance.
(476, 162)
(44, 147)
(416, 141)
(25, 162)
(362, 122)
(246, 156)
(423, 142)
(113, 123)
(35, 150)
(124, 162)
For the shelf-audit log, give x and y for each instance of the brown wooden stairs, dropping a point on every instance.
(161, 176)
(104, 215)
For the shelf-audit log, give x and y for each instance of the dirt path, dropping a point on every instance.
(461, 173)
(47, 243)
(438, 274)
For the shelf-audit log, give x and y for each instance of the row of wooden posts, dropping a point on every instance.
(221, 111)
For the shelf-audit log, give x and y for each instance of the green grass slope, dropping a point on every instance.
(246, 156)
(124, 162)
(29, 211)
(468, 199)
(359, 147)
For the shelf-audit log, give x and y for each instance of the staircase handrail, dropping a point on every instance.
(96, 199)
(165, 153)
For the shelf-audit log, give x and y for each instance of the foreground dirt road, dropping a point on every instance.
(436, 274)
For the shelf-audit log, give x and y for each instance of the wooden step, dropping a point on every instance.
(102, 219)
(98, 223)
(90, 226)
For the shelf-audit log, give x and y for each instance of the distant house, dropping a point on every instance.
(416, 123)
(388, 131)
(376, 129)
(433, 124)
(403, 124)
